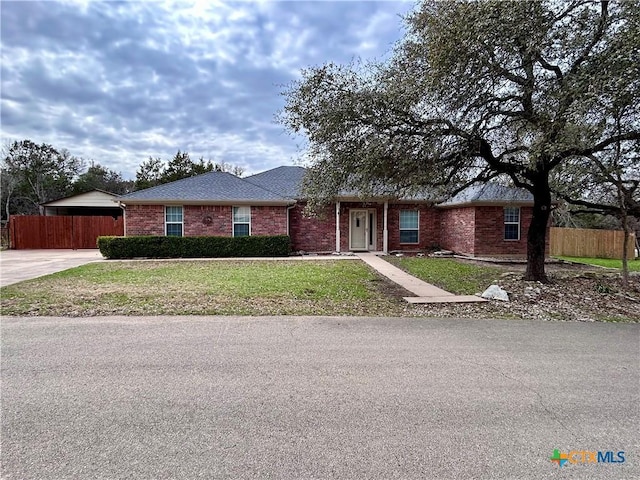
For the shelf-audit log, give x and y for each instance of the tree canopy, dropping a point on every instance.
(33, 174)
(101, 178)
(475, 91)
(155, 172)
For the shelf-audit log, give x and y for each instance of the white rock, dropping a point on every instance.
(532, 291)
(442, 253)
(494, 292)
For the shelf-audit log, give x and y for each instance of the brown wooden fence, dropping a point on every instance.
(585, 242)
(32, 231)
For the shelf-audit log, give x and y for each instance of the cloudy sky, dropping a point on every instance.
(118, 82)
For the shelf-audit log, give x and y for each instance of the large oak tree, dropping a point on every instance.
(474, 91)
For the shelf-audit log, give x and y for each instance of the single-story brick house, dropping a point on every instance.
(483, 220)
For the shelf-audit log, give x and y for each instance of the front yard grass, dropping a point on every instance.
(634, 265)
(339, 287)
(449, 274)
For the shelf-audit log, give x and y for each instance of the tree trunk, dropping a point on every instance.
(625, 250)
(537, 234)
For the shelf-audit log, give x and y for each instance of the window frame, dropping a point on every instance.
(511, 222)
(167, 222)
(416, 229)
(234, 222)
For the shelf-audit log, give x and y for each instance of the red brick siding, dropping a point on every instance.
(479, 231)
(269, 220)
(489, 237)
(467, 230)
(457, 227)
(318, 234)
(205, 220)
(144, 220)
(315, 234)
(429, 227)
(196, 221)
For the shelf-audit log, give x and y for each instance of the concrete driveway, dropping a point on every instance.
(293, 398)
(19, 265)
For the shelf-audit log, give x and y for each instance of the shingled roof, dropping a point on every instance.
(212, 187)
(281, 186)
(286, 180)
(490, 193)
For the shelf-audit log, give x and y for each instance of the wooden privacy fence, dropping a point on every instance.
(32, 231)
(586, 242)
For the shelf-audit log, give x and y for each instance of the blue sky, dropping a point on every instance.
(117, 82)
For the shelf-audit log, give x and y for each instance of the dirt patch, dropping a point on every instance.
(575, 293)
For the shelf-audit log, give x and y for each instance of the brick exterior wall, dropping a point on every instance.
(270, 220)
(316, 234)
(319, 234)
(144, 220)
(479, 231)
(489, 232)
(457, 227)
(475, 231)
(429, 227)
(205, 220)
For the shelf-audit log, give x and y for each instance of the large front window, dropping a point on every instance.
(512, 223)
(241, 221)
(409, 226)
(173, 219)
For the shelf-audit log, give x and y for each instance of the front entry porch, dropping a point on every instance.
(362, 230)
(361, 225)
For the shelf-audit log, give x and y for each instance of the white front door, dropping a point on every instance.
(362, 230)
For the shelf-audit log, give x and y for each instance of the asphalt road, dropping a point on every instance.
(296, 398)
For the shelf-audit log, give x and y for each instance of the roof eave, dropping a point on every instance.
(493, 203)
(160, 201)
(51, 202)
(351, 198)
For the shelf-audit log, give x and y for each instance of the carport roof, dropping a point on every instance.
(93, 198)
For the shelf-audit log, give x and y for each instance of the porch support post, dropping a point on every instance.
(338, 227)
(385, 231)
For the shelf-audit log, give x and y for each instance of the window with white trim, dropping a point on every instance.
(512, 223)
(409, 221)
(241, 221)
(173, 221)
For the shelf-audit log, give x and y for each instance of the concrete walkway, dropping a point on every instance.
(425, 292)
(19, 265)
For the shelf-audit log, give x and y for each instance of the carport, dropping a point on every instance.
(68, 223)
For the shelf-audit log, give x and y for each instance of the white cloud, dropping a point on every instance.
(119, 82)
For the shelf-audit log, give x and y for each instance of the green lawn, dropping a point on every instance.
(634, 265)
(450, 274)
(338, 287)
